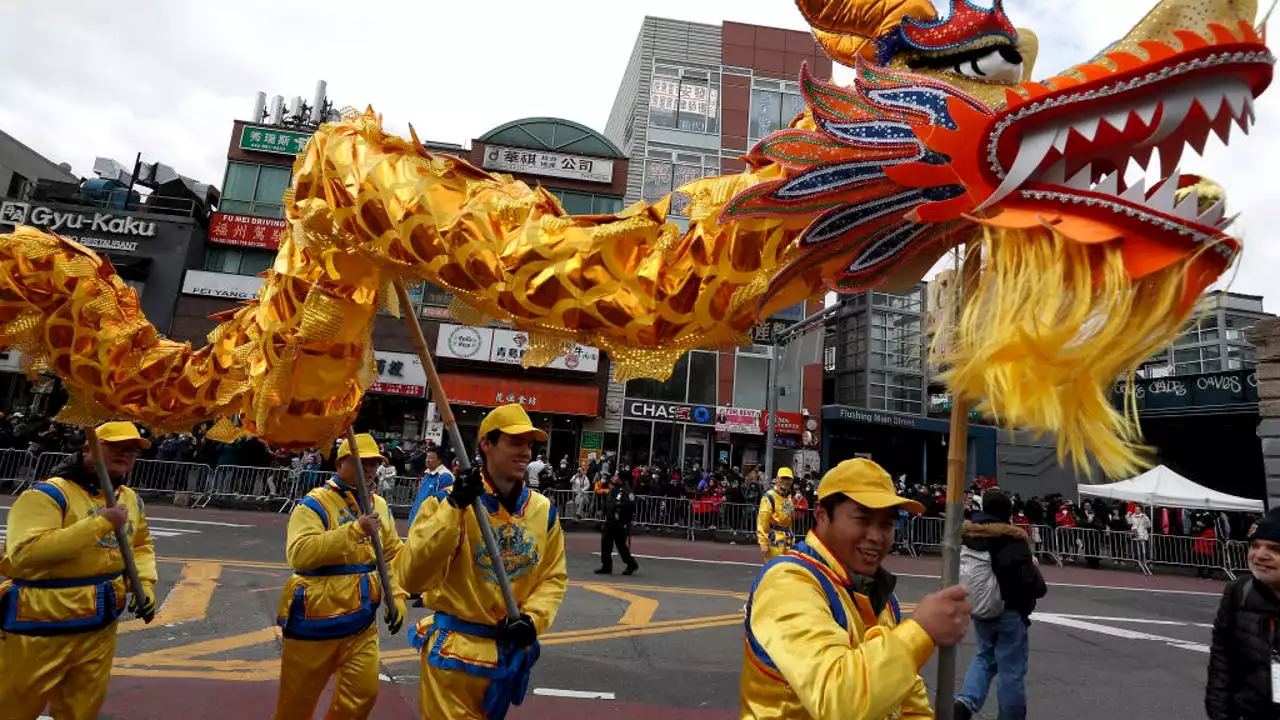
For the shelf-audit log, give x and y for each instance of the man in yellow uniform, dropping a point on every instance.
(58, 610)
(329, 607)
(773, 522)
(825, 638)
(476, 660)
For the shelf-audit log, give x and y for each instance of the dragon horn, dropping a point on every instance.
(848, 29)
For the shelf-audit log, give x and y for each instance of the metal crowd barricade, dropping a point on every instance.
(239, 481)
(168, 476)
(16, 468)
(924, 533)
(44, 466)
(1236, 556)
(404, 489)
(1188, 551)
(1075, 543)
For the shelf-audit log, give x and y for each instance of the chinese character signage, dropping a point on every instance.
(550, 164)
(245, 230)
(787, 423)
(399, 374)
(273, 140)
(498, 345)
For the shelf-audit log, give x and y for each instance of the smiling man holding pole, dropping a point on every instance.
(476, 654)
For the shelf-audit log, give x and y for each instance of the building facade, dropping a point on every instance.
(692, 100)
(577, 165)
(1216, 342)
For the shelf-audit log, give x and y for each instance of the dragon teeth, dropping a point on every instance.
(1109, 184)
(1081, 180)
(1137, 192)
(1213, 215)
(1162, 199)
(1189, 207)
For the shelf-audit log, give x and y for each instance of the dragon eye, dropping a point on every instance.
(998, 65)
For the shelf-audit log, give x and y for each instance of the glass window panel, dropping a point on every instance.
(713, 106)
(576, 203)
(604, 205)
(703, 383)
(262, 210)
(751, 382)
(636, 436)
(679, 205)
(664, 102)
(436, 295)
(657, 180)
(272, 182)
(241, 181)
(253, 262)
(693, 105)
(218, 259)
(666, 444)
(766, 113)
(240, 207)
(792, 105)
(673, 390)
(685, 174)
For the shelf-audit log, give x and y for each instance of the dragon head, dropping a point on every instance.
(942, 140)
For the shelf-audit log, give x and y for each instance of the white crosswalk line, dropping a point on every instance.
(576, 694)
(155, 532)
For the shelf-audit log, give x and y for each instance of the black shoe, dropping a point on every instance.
(631, 569)
(417, 602)
(604, 571)
(962, 712)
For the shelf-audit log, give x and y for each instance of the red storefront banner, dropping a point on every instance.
(397, 389)
(245, 230)
(789, 423)
(543, 396)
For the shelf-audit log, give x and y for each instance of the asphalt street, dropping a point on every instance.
(666, 642)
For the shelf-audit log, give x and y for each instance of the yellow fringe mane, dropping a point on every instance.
(1049, 326)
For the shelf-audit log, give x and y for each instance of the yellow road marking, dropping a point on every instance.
(188, 601)
(640, 610)
(184, 654)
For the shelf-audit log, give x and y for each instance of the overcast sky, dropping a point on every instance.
(83, 79)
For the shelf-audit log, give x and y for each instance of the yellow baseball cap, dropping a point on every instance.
(365, 443)
(785, 472)
(865, 483)
(121, 431)
(511, 420)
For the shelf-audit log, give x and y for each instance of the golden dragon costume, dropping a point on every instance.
(941, 140)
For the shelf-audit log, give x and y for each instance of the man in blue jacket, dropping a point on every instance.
(437, 479)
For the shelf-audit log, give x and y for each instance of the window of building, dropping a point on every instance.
(436, 295)
(751, 381)
(910, 301)
(895, 341)
(237, 261)
(581, 203)
(675, 389)
(1190, 361)
(250, 189)
(666, 171)
(896, 392)
(685, 99)
(19, 187)
(1204, 331)
(773, 106)
(1240, 357)
(704, 374)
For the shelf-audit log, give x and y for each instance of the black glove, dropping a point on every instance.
(519, 632)
(143, 606)
(466, 489)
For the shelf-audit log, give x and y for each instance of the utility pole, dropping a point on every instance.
(777, 353)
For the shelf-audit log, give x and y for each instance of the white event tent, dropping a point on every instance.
(1162, 487)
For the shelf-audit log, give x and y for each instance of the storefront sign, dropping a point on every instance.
(221, 285)
(10, 361)
(878, 418)
(550, 164)
(1188, 392)
(738, 420)
(399, 374)
(669, 412)
(787, 423)
(435, 312)
(507, 347)
(123, 229)
(273, 140)
(245, 230)
(543, 396)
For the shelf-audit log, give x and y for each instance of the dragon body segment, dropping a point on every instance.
(941, 140)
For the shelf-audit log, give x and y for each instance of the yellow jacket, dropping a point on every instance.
(63, 560)
(817, 650)
(773, 522)
(446, 562)
(335, 590)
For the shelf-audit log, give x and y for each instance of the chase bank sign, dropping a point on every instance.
(669, 412)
